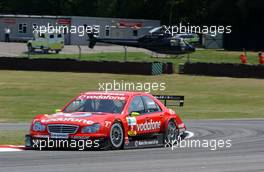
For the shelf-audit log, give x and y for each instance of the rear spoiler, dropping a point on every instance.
(178, 99)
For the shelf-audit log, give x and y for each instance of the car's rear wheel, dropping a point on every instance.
(116, 136)
(45, 51)
(172, 132)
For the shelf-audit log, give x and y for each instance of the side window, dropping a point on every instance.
(107, 31)
(136, 105)
(151, 105)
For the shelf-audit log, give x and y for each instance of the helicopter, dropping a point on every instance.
(157, 40)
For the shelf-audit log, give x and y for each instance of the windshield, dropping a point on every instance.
(95, 105)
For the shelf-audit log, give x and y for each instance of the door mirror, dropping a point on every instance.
(57, 110)
(134, 114)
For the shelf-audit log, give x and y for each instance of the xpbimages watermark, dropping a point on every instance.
(80, 30)
(212, 30)
(211, 144)
(65, 144)
(131, 86)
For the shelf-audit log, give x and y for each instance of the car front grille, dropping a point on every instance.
(62, 128)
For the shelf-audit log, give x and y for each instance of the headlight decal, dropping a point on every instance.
(91, 129)
(37, 126)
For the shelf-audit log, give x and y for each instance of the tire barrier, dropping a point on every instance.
(224, 69)
(72, 65)
(168, 68)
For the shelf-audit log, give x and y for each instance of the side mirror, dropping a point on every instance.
(57, 110)
(134, 114)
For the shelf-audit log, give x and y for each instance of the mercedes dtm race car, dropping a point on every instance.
(109, 120)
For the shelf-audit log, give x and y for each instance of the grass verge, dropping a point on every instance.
(13, 137)
(23, 94)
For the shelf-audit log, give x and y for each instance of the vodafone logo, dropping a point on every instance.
(84, 121)
(152, 125)
(75, 115)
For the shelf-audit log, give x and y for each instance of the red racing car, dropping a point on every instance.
(109, 120)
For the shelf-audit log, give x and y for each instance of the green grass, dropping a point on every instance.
(213, 56)
(200, 55)
(14, 137)
(24, 94)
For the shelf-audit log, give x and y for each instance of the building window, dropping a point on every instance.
(22, 28)
(135, 32)
(107, 31)
(51, 36)
(34, 26)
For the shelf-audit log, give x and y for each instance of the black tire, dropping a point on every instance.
(30, 48)
(172, 132)
(45, 51)
(116, 136)
(57, 51)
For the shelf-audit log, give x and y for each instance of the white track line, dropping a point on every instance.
(190, 134)
(11, 148)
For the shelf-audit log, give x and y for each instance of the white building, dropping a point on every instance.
(21, 27)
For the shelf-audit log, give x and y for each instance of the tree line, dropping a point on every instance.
(168, 11)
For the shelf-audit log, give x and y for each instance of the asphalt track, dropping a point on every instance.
(245, 155)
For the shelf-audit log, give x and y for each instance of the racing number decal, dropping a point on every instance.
(132, 122)
(107, 124)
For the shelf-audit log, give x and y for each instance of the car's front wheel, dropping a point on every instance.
(172, 132)
(116, 136)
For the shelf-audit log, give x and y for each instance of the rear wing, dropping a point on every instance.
(177, 100)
